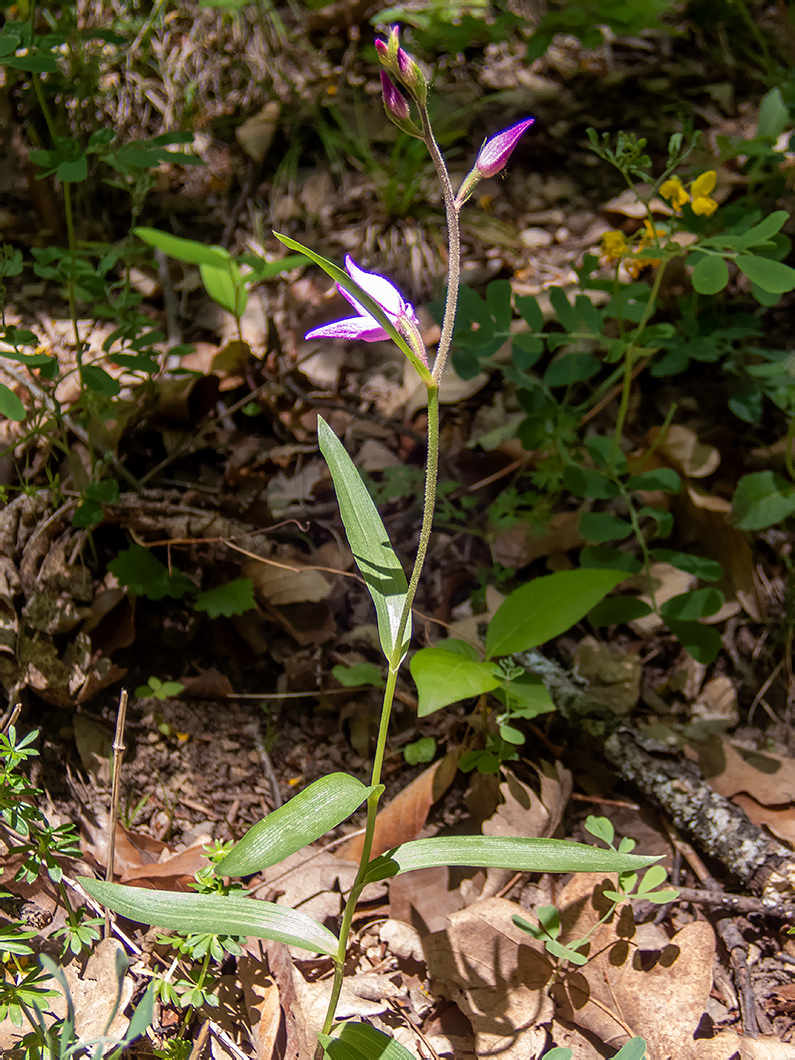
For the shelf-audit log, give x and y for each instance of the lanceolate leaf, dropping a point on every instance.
(215, 913)
(369, 541)
(546, 607)
(372, 307)
(302, 820)
(360, 1041)
(519, 854)
(187, 250)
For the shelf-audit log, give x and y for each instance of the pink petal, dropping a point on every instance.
(380, 289)
(364, 328)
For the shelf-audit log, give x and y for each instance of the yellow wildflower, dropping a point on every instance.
(673, 190)
(648, 236)
(701, 188)
(614, 246)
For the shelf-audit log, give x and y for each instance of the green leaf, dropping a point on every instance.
(762, 499)
(558, 1053)
(145, 575)
(762, 232)
(571, 368)
(187, 250)
(772, 276)
(10, 405)
(72, 170)
(703, 642)
(420, 751)
(600, 828)
(225, 286)
(546, 607)
(518, 854)
(234, 598)
(710, 275)
(635, 1049)
(708, 570)
(689, 607)
(773, 114)
(598, 527)
(443, 677)
(306, 817)
(530, 311)
(98, 380)
(361, 674)
(564, 953)
(661, 478)
(218, 914)
(526, 696)
(360, 1041)
(361, 296)
(369, 541)
(605, 557)
(583, 482)
(616, 610)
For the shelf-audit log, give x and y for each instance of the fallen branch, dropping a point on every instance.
(720, 828)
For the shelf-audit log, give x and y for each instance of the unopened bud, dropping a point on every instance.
(395, 103)
(397, 107)
(495, 152)
(388, 50)
(412, 76)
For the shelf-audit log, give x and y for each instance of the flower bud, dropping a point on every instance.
(395, 103)
(388, 50)
(412, 77)
(397, 107)
(495, 152)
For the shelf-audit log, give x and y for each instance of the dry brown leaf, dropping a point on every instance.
(686, 453)
(523, 543)
(93, 741)
(767, 778)
(207, 684)
(402, 819)
(638, 981)
(524, 813)
(780, 820)
(290, 583)
(255, 134)
(497, 975)
(175, 873)
(261, 995)
(613, 675)
(424, 899)
(94, 991)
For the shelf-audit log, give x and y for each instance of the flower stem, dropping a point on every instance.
(429, 504)
(451, 209)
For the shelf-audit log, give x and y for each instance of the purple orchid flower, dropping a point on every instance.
(495, 152)
(364, 326)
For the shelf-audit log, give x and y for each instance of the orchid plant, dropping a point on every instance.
(526, 618)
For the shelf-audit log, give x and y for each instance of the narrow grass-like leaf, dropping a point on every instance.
(302, 820)
(373, 308)
(216, 913)
(369, 541)
(516, 853)
(546, 607)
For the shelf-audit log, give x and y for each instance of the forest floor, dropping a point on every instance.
(224, 481)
